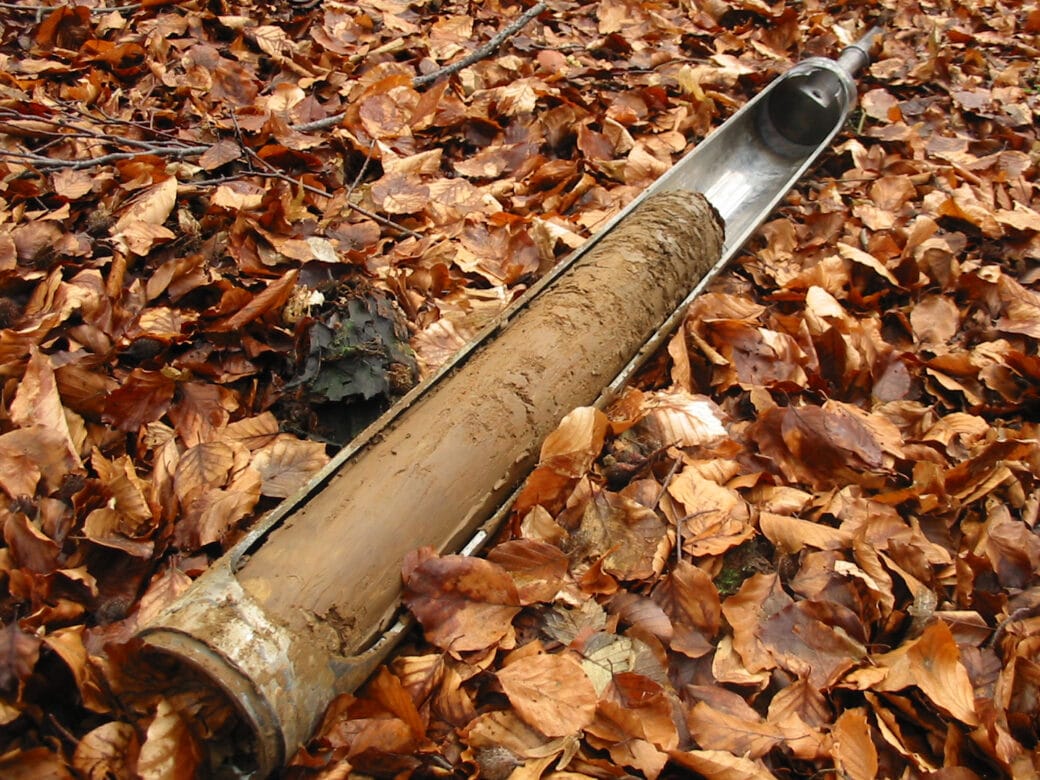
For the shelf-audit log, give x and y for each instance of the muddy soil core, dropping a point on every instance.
(326, 581)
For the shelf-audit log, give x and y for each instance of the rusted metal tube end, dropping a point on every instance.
(277, 680)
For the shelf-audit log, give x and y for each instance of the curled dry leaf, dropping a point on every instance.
(936, 668)
(37, 401)
(576, 442)
(169, 751)
(690, 599)
(682, 419)
(109, 751)
(852, 746)
(152, 207)
(740, 736)
(791, 534)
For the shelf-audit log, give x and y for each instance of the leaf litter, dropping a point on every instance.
(805, 542)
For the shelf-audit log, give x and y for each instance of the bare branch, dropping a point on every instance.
(50, 164)
(42, 9)
(352, 206)
(483, 51)
(429, 78)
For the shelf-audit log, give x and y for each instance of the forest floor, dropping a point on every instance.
(828, 484)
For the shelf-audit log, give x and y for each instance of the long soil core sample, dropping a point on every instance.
(326, 581)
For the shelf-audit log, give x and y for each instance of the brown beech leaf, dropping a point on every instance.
(126, 521)
(625, 535)
(30, 547)
(387, 689)
(212, 512)
(254, 432)
(550, 692)
(806, 646)
(72, 184)
(421, 675)
(163, 590)
(719, 730)
(853, 749)
(108, 752)
(67, 643)
(544, 487)
(202, 411)
(721, 765)
(400, 194)
(537, 568)
(287, 463)
(716, 517)
(152, 207)
(935, 319)
(936, 668)
(791, 534)
(205, 465)
(760, 597)
(605, 655)
(690, 599)
(29, 454)
(462, 603)
(682, 419)
(221, 153)
(19, 473)
(819, 433)
(576, 442)
(504, 729)
(18, 654)
(643, 708)
(142, 397)
(169, 751)
(38, 763)
(271, 298)
(868, 260)
(36, 402)
(641, 613)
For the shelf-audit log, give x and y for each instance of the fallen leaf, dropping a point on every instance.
(576, 442)
(537, 568)
(751, 737)
(19, 652)
(169, 751)
(624, 534)
(152, 207)
(550, 692)
(462, 603)
(853, 749)
(936, 668)
(108, 751)
(720, 765)
(286, 464)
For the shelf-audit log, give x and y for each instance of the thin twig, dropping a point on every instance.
(352, 206)
(483, 51)
(361, 170)
(421, 81)
(50, 164)
(41, 9)
(320, 124)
